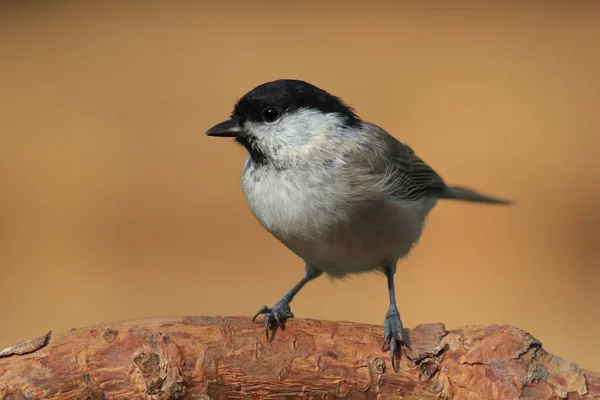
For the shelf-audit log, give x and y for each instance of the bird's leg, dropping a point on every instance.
(277, 315)
(392, 326)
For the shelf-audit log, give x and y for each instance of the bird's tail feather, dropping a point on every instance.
(467, 194)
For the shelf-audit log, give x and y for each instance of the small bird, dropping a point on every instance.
(338, 191)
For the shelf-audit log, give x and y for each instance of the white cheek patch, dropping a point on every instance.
(295, 133)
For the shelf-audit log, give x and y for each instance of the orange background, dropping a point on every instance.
(114, 205)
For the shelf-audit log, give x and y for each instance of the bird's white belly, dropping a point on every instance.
(377, 234)
(335, 233)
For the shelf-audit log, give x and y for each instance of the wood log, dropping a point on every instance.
(229, 358)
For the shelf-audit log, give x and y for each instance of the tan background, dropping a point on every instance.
(114, 205)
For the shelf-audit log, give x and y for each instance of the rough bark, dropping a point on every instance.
(229, 358)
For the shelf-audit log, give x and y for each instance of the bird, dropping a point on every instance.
(338, 191)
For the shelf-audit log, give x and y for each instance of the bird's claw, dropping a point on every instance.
(262, 310)
(275, 317)
(393, 334)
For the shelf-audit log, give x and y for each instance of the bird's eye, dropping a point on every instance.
(270, 114)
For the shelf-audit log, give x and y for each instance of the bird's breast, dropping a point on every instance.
(327, 221)
(293, 203)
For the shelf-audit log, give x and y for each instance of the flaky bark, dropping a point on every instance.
(220, 358)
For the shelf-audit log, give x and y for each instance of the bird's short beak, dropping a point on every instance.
(229, 128)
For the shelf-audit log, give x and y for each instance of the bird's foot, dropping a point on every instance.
(275, 317)
(393, 334)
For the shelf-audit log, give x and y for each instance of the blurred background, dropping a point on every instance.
(114, 205)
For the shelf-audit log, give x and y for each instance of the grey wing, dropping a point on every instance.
(403, 174)
(422, 175)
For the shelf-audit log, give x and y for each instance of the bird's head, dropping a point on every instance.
(279, 120)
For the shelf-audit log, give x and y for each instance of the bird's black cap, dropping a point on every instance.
(288, 95)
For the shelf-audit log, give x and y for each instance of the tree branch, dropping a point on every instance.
(229, 358)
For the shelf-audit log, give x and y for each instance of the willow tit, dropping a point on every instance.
(340, 192)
